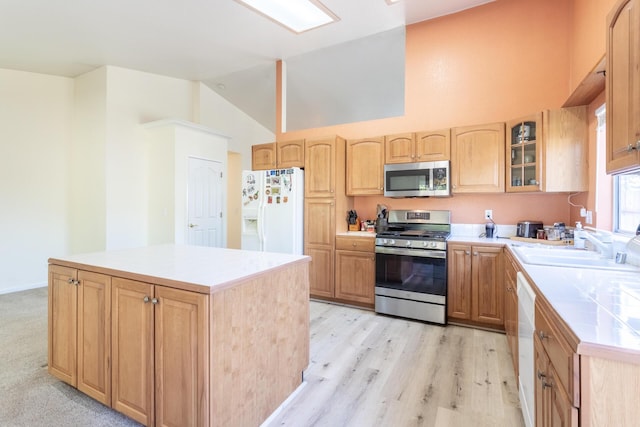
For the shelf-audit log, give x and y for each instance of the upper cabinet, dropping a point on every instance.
(290, 154)
(548, 151)
(285, 154)
(523, 153)
(365, 166)
(320, 167)
(263, 156)
(477, 159)
(623, 87)
(418, 147)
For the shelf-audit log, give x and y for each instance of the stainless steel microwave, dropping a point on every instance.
(424, 179)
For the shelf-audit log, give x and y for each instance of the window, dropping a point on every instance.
(626, 190)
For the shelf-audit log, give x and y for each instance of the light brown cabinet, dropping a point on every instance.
(159, 362)
(324, 199)
(290, 154)
(365, 167)
(417, 147)
(511, 307)
(319, 232)
(477, 159)
(263, 156)
(557, 371)
(623, 87)
(548, 151)
(475, 284)
(281, 154)
(355, 269)
(79, 338)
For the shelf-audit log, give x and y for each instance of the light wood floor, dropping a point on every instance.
(372, 370)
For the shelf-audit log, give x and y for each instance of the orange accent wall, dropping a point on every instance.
(588, 36)
(495, 62)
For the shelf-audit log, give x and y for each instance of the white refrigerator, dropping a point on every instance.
(273, 210)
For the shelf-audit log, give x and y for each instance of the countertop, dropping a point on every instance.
(196, 268)
(357, 234)
(601, 307)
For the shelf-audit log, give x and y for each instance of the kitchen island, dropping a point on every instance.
(181, 335)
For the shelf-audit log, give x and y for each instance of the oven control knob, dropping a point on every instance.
(392, 242)
(433, 244)
(425, 244)
(408, 243)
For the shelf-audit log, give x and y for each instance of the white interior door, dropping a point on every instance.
(204, 216)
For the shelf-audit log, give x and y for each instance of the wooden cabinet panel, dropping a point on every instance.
(623, 87)
(365, 166)
(319, 233)
(181, 357)
(355, 269)
(160, 354)
(355, 276)
(553, 407)
(399, 148)
(565, 159)
(487, 285)
(524, 154)
(290, 154)
(94, 336)
(320, 168)
(459, 281)
(321, 271)
(475, 291)
(433, 145)
(263, 156)
(511, 307)
(79, 337)
(62, 345)
(477, 159)
(132, 350)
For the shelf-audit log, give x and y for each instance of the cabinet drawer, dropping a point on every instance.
(561, 356)
(364, 244)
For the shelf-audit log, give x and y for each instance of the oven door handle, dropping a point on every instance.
(411, 252)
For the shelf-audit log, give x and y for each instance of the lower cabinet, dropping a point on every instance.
(133, 346)
(557, 370)
(78, 330)
(511, 307)
(355, 269)
(159, 362)
(475, 284)
(319, 244)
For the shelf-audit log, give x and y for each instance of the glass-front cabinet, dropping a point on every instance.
(524, 140)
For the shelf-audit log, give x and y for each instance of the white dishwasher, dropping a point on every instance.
(526, 368)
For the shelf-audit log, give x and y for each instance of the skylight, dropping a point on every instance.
(298, 16)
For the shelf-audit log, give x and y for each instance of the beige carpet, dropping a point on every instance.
(29, 396)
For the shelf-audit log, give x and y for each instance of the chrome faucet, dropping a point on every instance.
(600, 239)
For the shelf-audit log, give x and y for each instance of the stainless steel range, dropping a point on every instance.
(411, 265)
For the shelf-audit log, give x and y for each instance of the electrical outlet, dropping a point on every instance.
(583, 212)
(488, 214)
(589, 217)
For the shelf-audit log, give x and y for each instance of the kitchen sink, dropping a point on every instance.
(568, 257)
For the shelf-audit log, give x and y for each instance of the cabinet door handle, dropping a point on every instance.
(70, 280)
(475, 253)
(540, 375)
(76, 282)
(146, 299)
(546, 384)
(542, 335)
(154, 301)
(467, 252)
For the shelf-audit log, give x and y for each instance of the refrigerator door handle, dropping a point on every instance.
(261, 230)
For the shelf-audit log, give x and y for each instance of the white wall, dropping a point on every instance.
(35, 135)
(73, 160)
